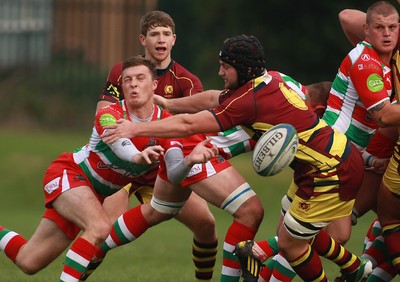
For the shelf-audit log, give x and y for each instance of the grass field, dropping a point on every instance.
(162, 254)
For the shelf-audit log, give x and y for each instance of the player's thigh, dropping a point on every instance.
(388, 206)
(81, 206)
(116, 204)
(217, 188)
(45, 245)
(168, 192)
(340, 229)
(389, 193)
(368, 193)
(197, 217)
(195, 211)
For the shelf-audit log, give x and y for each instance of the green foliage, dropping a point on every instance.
(162, 254)
(302, 39)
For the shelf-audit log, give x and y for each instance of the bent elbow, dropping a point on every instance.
(344, 15)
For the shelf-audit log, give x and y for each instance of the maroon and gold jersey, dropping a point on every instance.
(173, 82)
(267, 101)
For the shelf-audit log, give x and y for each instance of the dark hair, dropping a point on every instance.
(139, 61)
(380, 8)
(244, 53)
(154, 19)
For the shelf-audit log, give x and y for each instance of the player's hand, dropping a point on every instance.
(202, 153)
(380, 165)
(123, 129)
(161, 101)
(149, 155)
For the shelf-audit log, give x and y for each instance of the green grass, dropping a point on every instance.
(162, 254)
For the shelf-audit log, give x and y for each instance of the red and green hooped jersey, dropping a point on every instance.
(105, 170)
(362, 82)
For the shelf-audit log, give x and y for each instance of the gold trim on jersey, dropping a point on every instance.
(391, 177)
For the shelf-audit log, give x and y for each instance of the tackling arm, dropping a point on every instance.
(180, 125)
(386, 114)
(208, 99)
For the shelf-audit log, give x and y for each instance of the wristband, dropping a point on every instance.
(368, 158)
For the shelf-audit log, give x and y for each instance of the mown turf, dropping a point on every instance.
(162, 254)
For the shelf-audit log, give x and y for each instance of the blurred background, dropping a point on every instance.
(55, 54)
(54, 58)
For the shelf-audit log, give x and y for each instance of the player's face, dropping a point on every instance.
(382, 33)
(158, 44)
(229, 75)
(138, 86)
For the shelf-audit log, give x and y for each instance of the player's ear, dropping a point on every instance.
(142, 39)
(173, 42)
(155, 83)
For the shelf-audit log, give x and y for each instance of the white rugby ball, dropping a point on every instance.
(275, 149)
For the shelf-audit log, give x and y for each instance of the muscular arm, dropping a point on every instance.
(352, 22)
(102, 104)
(178, 166)
(386, 114)
(208, 99)
(180, 125)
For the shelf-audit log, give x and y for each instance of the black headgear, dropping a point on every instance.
(244, 53)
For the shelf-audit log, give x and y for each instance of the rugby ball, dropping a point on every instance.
(275, 149)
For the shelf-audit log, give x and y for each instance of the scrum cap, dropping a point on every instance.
(244, 53)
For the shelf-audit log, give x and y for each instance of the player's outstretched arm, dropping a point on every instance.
(181, 125)
(208, 99)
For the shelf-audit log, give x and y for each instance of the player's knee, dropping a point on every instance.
(28, 266)
(207, 224)
(251, 212)
(244, 205)
(341, 235)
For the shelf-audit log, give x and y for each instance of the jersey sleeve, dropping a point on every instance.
(107, 116)
(236, 108)
(368, 80)
(112, 90)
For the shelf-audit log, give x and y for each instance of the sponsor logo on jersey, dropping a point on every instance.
(365, 57)
(107, 119)
(368, 66)
(113, 90)
(304, 206)
(152, 142)
(220, 159)
(375, 82)
(52, 185)
(79, 177)
(168, 89)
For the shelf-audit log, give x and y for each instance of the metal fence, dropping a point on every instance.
(24, 32)
(54, 53)
(101, 31)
